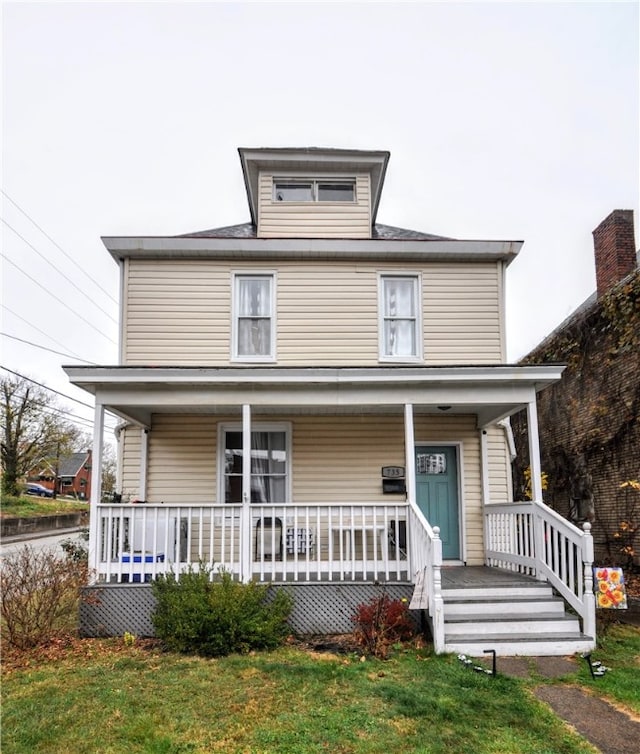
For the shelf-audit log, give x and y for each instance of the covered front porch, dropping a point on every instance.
(306, 523)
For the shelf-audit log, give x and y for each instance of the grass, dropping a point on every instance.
(30, 505)
(106, 697)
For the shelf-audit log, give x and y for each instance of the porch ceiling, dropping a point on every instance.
(488, 392)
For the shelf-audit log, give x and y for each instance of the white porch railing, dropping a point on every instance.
(531, 538)
(426, 563)
(286, 542)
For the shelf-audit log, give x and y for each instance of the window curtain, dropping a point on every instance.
(399, 316)
(254, 316)
(268, 467)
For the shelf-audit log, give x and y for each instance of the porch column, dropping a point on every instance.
(96, 485)
(536, 483)
(486, 488)
(245, 529)
(534, 451)
(409, 452)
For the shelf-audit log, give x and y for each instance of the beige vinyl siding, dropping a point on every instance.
(461, 313)
(179, 312)
(129, 471)
(314, 219)
(500, 488)
(335, 459)
(182, 463)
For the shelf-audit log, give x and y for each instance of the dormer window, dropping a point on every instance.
(314, 190)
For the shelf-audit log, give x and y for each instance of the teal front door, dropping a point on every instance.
(437, 493)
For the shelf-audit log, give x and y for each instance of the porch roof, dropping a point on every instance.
(489, 392)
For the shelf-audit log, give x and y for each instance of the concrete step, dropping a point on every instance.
(510, 645)
(522, 589)
(499, 606)
(512, 624)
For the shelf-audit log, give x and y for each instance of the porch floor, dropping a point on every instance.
(458, 577)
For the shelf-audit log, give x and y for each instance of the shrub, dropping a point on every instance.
(382, 622)
(40, 593)
(76, 549)
(195, 613)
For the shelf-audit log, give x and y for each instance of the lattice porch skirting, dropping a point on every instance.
(317, 608)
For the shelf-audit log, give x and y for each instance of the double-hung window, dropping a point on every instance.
(254, 317)
(270, 456)
(400, 322)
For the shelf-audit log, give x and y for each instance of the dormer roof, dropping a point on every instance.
(312, 160)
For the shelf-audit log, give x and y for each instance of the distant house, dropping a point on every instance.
(314, 400)
(590, 420)
(73, 475)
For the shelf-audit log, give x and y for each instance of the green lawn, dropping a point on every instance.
(103, 697)
(30, 505)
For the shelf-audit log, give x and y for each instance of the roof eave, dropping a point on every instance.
(297, 248)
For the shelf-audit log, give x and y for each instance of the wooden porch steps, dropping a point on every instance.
(487, 608)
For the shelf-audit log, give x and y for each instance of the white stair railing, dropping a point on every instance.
(533, 539)
(426, 564)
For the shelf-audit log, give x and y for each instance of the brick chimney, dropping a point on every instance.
(615, 249)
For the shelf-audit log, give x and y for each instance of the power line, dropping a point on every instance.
(59, 300)
(40, 384)
(42, 332)
(46, 235)
(44, 348)
(74, 418)
(57, 392)
(58, 270)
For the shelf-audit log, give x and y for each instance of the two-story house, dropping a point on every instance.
(314, 400)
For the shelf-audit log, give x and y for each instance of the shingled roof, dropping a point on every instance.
(380, 232)
(70, 465)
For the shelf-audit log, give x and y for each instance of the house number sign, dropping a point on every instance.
(393, 472)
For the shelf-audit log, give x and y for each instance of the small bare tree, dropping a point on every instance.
(39, 596)
(31, 430)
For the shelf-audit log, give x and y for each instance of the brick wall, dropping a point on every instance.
(590, 420)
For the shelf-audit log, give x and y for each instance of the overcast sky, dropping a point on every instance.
(504, 121)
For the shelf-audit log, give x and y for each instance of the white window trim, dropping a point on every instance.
(224, 427)
(314, 181)
(418, 357)
(235, 356)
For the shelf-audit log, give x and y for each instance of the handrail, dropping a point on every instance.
(426, 564)
(529, 537)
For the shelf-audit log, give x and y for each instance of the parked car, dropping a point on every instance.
(39, 490)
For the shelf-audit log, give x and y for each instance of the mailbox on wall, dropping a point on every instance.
(393, 480)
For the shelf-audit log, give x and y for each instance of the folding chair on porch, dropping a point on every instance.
(398, 539)
(268, 539)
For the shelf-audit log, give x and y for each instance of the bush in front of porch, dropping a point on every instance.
(197, 613)
(381, 623)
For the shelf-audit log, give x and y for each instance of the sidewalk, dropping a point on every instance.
(610, 730)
